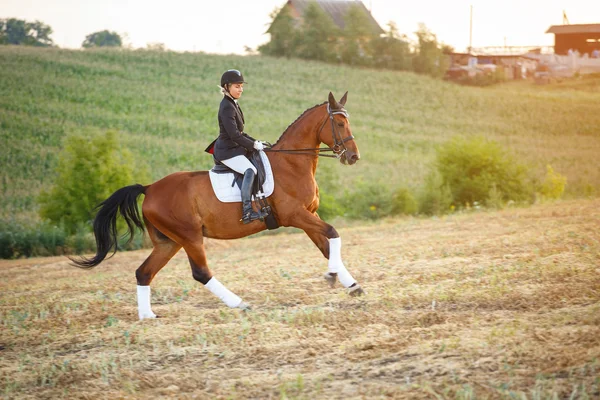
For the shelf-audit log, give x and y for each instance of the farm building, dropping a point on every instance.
(515, 66)
(584, 38)
(336, 9)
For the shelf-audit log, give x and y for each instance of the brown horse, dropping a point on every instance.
(181, 209)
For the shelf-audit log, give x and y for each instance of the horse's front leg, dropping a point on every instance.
(326, 238)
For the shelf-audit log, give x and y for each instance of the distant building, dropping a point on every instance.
(584, 38)
(336, 9)
(514, 66)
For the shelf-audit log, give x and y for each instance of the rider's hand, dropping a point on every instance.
(258, 145)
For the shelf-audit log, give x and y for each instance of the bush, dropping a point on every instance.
(372, 200)
(88, 172)
(18, 239)
(473, 168)
(26, 239)
(81, 241)
(329, 207)
(403, 202)
(436, 197)
(553, 185)
(495, 199)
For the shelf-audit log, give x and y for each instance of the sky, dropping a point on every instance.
(228, 26)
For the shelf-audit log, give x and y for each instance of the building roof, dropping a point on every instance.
(337, 9)
(575, 28)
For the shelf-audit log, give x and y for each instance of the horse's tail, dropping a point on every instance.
(124, 201)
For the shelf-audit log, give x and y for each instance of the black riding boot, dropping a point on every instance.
(248, 214)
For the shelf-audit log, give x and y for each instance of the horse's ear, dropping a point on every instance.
(343, 99)
(332, 102)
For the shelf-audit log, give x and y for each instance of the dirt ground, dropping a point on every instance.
(478, 305)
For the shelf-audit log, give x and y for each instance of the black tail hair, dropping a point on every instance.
(124, 201)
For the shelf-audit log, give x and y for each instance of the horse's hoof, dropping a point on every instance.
(330, 278)
(244, 306)
(148, 316)
(356, 291)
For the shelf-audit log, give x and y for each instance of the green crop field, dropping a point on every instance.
(164, 104)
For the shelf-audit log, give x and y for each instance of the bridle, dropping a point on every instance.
(339, 147)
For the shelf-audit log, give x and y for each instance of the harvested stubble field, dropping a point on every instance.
(476, 305)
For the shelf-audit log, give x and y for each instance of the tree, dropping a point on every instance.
(21, 32)
(88, 172)
(429, 58)
(102, 39)
(283, 34)
(317, 39)
(356, 35)
(391, 51)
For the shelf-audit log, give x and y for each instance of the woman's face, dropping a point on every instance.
(236, 90)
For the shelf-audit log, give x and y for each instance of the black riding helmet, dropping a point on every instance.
(232, 76)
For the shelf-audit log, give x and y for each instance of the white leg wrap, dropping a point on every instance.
(336, 265)
(223, 293)
(143, 298)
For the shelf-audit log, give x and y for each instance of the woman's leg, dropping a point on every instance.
(243, 166)
(239, 164)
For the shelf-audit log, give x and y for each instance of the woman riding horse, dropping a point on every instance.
(181, 209)
(232, 145)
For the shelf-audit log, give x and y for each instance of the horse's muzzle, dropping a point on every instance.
(350, 157)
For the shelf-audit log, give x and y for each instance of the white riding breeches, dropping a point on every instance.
(239, 164)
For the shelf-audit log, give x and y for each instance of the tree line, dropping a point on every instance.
(20, 32)
(317, 37)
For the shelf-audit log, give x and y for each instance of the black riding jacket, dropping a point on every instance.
(232, 140)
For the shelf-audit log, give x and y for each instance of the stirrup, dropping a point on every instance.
(253, 216)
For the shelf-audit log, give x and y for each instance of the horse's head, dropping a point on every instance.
(337, 134)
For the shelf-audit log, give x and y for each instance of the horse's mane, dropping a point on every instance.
(296, 120)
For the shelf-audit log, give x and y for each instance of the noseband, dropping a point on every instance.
(339, 147)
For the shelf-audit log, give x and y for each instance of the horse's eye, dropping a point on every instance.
(341, 124)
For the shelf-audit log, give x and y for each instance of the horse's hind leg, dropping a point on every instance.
(201, 273)
(164, 249)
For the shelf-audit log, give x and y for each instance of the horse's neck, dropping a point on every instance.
(302, 134)
(296, 172)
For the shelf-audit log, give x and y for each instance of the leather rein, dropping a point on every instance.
(339, 148)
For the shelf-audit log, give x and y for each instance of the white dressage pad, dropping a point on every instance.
(221, 184)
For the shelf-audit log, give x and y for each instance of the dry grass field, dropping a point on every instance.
(478, 305)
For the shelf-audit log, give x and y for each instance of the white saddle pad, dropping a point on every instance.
(221, 184)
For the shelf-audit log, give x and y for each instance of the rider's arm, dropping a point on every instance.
(248, 136)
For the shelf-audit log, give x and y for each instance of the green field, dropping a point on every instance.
(164, 105)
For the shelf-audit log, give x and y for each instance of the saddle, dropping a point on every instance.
(227, 185)
(256, 160)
